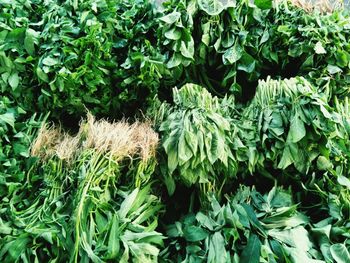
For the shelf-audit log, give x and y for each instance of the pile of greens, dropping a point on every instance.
(217, 131)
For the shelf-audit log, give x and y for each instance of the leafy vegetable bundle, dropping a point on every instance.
(82, 209)
(197, 140)
(228, 45)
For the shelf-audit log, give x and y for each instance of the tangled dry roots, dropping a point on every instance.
(323, 6)
(118, 139)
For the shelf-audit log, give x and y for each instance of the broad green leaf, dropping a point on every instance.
(324, 163)
(8, 118)
(50, 61)
(344, 181)
(127, 204)
(217, 252)
(251, 253)
(171, 18)
(42, 75)
(184, 151)
(319, 49)
(263, 4)
(333, 69)
(170, 184)
(194, 233)
(172, 159)
(340, 253)
(187, 49)
(113, 241)
(14, 80)
(342, 58)
(233, 54)
(246, 63)
(286, 159)
(296, 237)
(297, 130)
(29, 42)
(174, 61)
(215, 7)
(5, 228)
(173, 34)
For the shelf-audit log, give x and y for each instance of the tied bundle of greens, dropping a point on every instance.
(196, 140)
(287, 115)
(83, 199)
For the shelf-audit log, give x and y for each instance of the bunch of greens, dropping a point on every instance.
(250, 227)
(16, 134)
(212, 42)
(311, 44)
(228, 45)
(78, 197)
(288, 115)
(76, 54)
(196, 139)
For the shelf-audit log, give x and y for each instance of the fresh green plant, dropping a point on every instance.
(197, 142)
(226, 46)
(78, 204)
(16, 134)
(72, 55)
(250, 227)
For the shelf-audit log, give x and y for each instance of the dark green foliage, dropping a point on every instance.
(68, 55)
(196, 138)
(227, 46)
(260, 98)
(16, 134)
(250, 227)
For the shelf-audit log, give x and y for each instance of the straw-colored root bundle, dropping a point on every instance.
(117, 139)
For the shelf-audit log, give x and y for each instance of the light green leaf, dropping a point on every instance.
(340, 253)
(50, 61)
(13, 80)
(333, 69)
(344, 181)
(126, 205)
(173, 34)
(8, 118)
(232, 54)
(215, 7)
(42, 75)
(171, 18)
(324, 163)
(217, 252)
(113, 241)
(319, 49)
(29, 42)
(297, 130)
